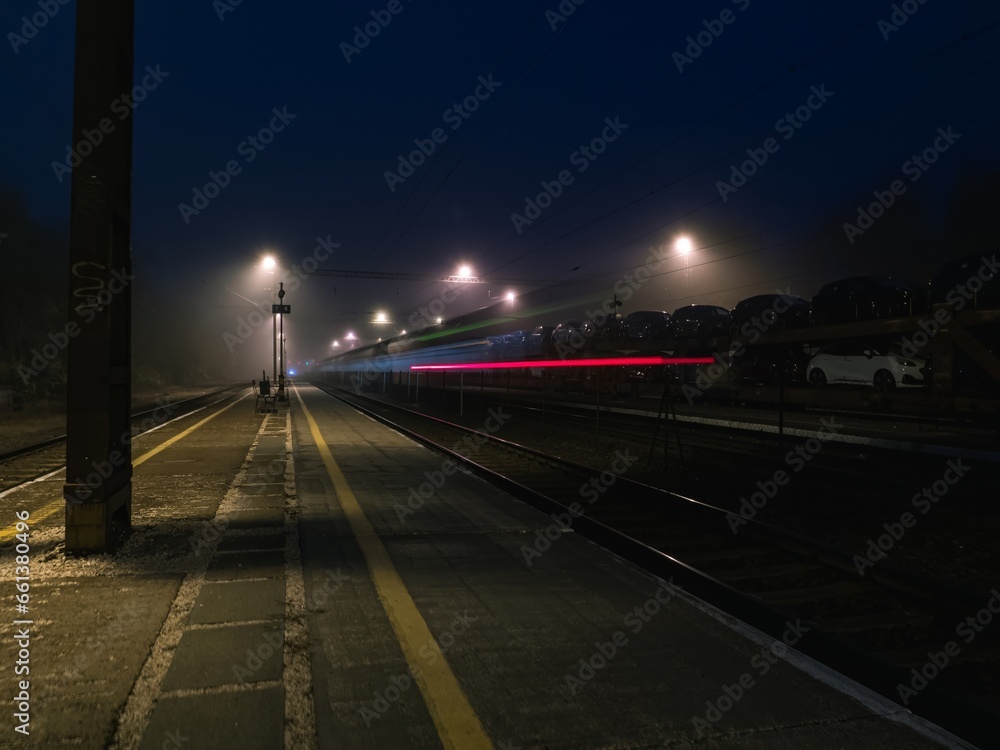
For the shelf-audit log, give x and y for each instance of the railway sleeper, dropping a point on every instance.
(837, 591)
(876, 621)
(725, 555)
(784, 570)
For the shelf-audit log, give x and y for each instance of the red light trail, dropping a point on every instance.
(592, 362)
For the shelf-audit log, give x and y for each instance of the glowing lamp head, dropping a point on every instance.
(465, 272)
(268, 263)
(684, 245)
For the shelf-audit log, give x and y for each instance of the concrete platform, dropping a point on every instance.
(283, 587)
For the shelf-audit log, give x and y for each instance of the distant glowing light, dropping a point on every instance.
(465, 272)
(268, 263)
(291, 372)
(683, 245)
(589, 362)
(438, 320)
(510, 296)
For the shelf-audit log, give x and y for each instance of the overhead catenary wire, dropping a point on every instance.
(652, 155)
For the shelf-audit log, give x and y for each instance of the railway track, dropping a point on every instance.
(621, 418)
(887, 629)
(719, 464)
(32, 461)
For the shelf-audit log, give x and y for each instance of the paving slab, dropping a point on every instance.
(226, 655)
(233, 601)
(248, 719)
(252, 564)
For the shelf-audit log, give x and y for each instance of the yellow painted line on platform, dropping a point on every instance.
(50, 509)
(7, 533)
(181, 435)
(457, 724)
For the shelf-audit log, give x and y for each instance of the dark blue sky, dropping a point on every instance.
(887, 91)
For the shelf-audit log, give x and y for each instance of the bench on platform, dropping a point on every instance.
(263, 392)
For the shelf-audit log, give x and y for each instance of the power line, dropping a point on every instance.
(656, 152)
(965, 38)
(450, 279)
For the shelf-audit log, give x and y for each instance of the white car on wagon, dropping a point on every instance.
(883, 367)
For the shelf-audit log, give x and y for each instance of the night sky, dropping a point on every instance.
(833, 99)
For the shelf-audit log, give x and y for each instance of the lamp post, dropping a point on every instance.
(281, 347)
(269, 264)
(684, 246)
